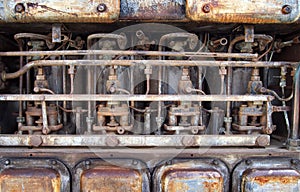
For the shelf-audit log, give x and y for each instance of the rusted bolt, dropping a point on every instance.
(134, 162)
(7, 162)
(121, 130)
(19, 8)
(101, 7)
(53, 162)
(286, 9)
(206, 8)
(87, 162)
(248, 162)
(112, 141)
(188, 141)
(215, 162)
(294, 161)
(262, 141)
(194, 131)
(35, 141)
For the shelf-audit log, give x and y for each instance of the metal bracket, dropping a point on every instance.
(56, 33)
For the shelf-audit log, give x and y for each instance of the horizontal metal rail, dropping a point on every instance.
(87, 97)
(134, 140)
(138, 53)
(86, 63)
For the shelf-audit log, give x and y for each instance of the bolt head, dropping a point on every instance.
(286, 9)
(87, 162)
(248, 162)
(294, 161)
(134, 162)
(19, 8)
(206, 8)
(7, 162)
(101, 8)
(215, 162)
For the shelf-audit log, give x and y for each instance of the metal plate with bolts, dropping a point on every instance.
(72, 11)
(135, 140)
(45, 175)
(111, 175)
(231, 11)
(191, 175)
(268, 175)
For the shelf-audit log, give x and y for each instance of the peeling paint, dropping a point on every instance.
(60, 11)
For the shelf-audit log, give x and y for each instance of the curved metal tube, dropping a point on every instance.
(295, 129)
(28, 66)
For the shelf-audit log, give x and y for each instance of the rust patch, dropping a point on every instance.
(37, 179)
(276, 179)
(281, 178)
(71, 11)
(228, 11)
(109, 178)
(192, 180)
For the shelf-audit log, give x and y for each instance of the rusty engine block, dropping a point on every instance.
(145, 95)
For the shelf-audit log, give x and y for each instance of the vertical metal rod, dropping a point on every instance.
(64, 71)
(45, 129)
(159, 102)
(295, 130)
(90, 78)
(131, 84)
(28, 86)
(20, 87)
(94, 90)
(200, 73)
(78, 120)
(159, 118)
(228, 103)
(89, 90)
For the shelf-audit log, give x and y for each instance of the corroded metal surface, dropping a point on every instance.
(191, 175)
(277, 180)
(29, 180)
(152, 9)
(97, 174)
(136, 140)
(190, 180)
(60, 11)
(259, 174)
(111, 179)
(245, 11)
(23, 174)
